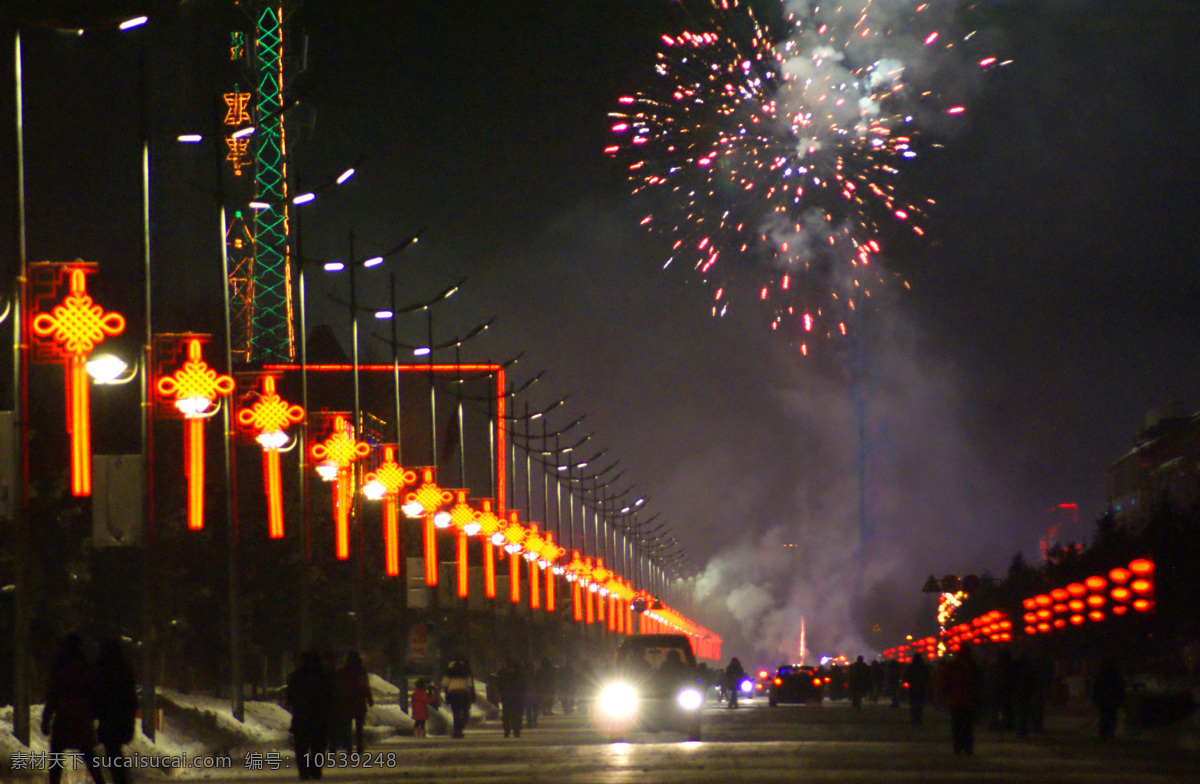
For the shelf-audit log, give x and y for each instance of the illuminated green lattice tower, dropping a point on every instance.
(260, 284)
(272, 338)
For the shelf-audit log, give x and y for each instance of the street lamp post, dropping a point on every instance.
(351, 265)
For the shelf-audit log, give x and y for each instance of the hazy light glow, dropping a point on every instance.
(106, 368)
(304, 198)
(190, 138)
(345, 175)
(136, 21)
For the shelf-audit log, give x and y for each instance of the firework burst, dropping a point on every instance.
(780, 150)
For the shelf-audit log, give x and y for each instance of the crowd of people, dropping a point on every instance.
(95, 704)
(89, 705)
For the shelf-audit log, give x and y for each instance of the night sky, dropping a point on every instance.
(1051, 302)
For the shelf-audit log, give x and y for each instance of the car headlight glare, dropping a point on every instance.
(617, 700)
(690, 699)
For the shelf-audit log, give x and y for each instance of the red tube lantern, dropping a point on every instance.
(338, 453)
(386, 482)
(67, 335)
(195, 387)
(269, 416)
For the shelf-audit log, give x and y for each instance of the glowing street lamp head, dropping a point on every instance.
(328, 471)
(108, 369)
(374, 489)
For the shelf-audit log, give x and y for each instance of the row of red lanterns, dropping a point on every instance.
(67, 332)
(1094, 599)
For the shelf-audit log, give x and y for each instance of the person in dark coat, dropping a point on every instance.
(353, 699)
(733, 677)
(459, 686)
(69, 715)
(310, 697)
(962, 686)
(116, 703)
(512, 685)
(917, 676)
(860, 682)
(1108, 694)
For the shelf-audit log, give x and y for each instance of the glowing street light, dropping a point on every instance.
(489, 532)
(195, 387)
(68, 334)
(386, 482)
(270, 415)
(337, 454)
(427, 501)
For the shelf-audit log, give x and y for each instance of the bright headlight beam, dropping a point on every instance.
(690, 699)
(617, 700)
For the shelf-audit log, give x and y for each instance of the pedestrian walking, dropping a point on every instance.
(512, 686)
(459, 686)
(310, 696)
(733, 680)
(917, 676)
(860, 682)
(353, 699)
(69, 715)
(423, 698)
(962, 685)
(116, 705)
(1108, 695)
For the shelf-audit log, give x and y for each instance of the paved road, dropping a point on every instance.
(832, 743)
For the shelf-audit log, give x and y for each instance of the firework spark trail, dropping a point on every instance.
(787, 147)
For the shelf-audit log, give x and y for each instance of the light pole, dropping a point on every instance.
(21, 632)
(352, 264)
(390, 314)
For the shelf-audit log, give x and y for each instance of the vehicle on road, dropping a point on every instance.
(654, 685)
(795, 683)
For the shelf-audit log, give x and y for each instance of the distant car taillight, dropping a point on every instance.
(778, 681)
(816, 681)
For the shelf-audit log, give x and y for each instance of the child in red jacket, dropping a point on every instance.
(420, 704)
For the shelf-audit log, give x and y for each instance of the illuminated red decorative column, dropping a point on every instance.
(599, 578)
(336, 456)
(195, 387)
(426, 501)
(533, 554)
(463, 519)
(514, 543)
(574, 573)
(386, 482)
(552, 553)
(589, 599)
(269, 415)
(491, 536)
(67, 335)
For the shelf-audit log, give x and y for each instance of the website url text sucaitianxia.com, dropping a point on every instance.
(75, 760)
